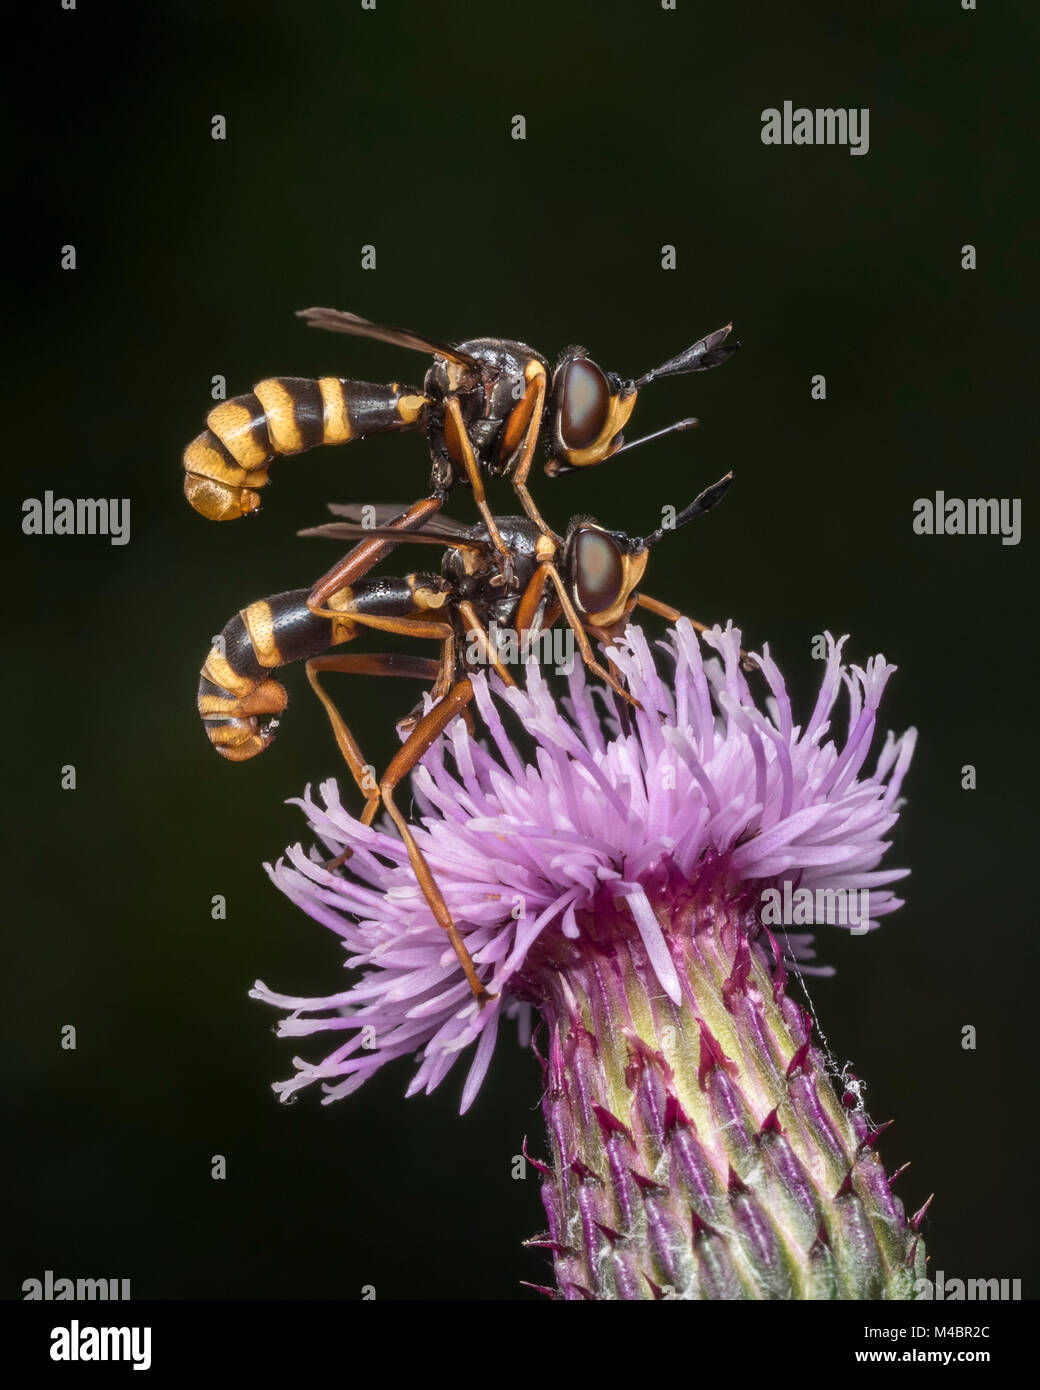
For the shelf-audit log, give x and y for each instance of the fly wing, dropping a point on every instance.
(427, 535)
(342, 321)
(382, 513)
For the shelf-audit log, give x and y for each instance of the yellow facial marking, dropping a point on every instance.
(633, 567)
(603, 445)
(281, 420)
(335, 420)
(259, 621)
(232, 423)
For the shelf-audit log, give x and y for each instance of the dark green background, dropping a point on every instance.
(392, 127)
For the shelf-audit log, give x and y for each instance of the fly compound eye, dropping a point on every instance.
(583, 397)
(599, 572)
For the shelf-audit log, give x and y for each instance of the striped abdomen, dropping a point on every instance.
(235, 687)
(285, 415)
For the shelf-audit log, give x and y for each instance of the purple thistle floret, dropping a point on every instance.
(611, 880)
(521, 849)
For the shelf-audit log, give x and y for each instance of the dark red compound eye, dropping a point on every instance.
(584, 403)
(599, 575)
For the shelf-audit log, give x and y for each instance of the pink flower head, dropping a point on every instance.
(701, 786)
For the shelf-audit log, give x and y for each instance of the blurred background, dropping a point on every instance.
(392, 127)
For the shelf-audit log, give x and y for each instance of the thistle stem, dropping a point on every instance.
(699, 1147)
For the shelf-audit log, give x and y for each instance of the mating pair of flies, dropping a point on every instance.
(485, 407)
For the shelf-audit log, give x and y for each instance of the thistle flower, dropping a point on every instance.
(612, 883)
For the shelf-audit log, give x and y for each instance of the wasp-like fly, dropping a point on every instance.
(484, 407)
(588, 579)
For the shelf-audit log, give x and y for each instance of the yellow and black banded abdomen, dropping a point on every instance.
(239, 702)
(227, 463)
(235, 688)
